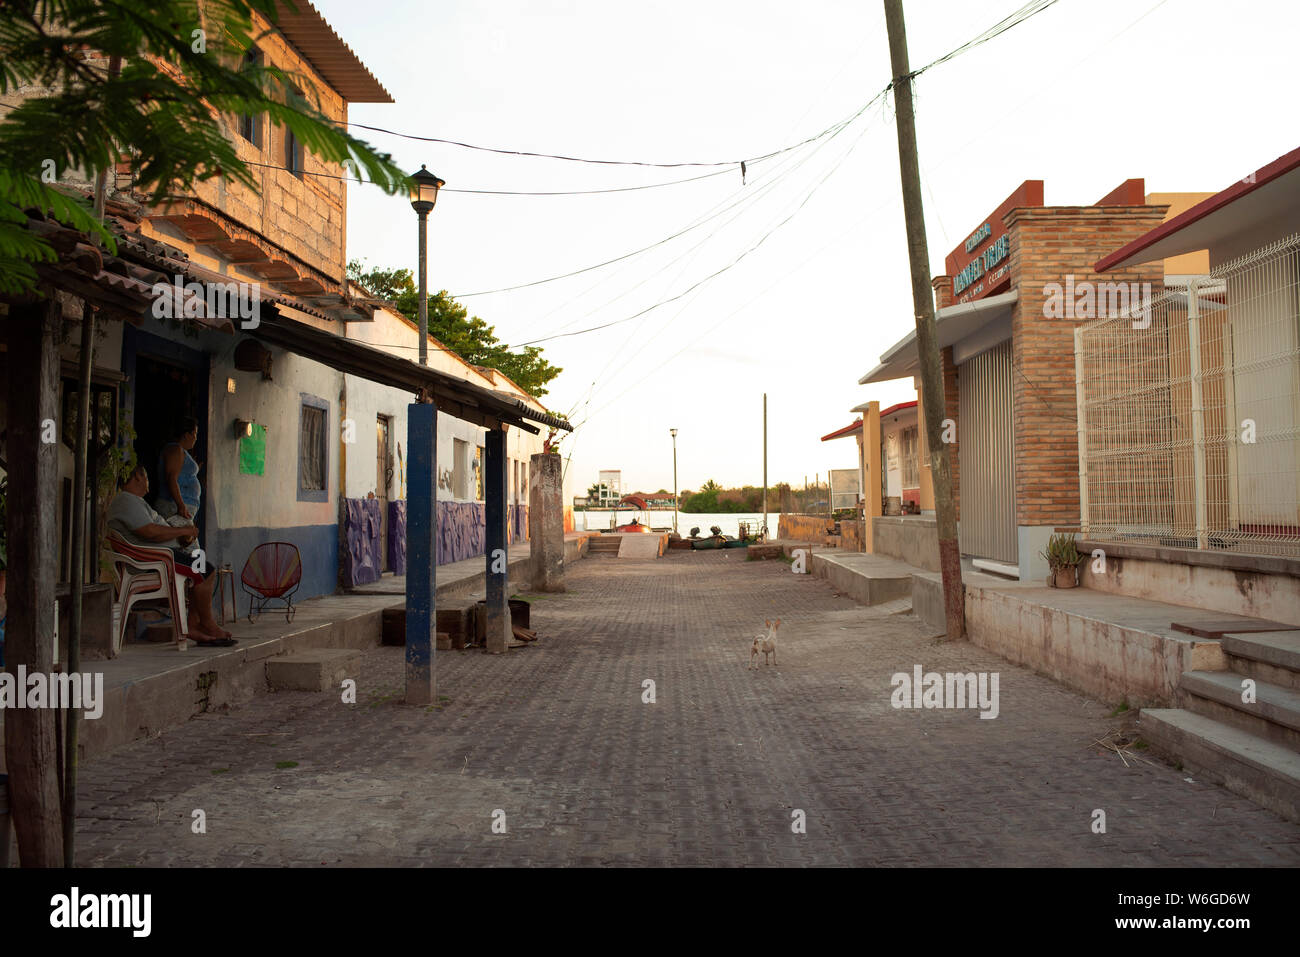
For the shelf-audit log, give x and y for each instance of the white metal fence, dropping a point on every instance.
(1189, 412)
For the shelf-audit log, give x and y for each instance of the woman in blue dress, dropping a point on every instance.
(179, 491)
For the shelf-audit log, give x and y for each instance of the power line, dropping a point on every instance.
(750, 198)
(718, 272)
(505, 192)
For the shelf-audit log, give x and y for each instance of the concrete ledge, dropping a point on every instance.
(1265, 772)
(868, 579)
(1110, 647)
(1254, 586)
(913, 539)
(319, 670)
(927, 600)
(1274, 714)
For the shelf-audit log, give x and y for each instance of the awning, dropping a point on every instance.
(849, 429)
(952, 325)
(1265, 204)
(464, 400)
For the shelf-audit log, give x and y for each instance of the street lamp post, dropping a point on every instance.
(673, 432)
(424, 194)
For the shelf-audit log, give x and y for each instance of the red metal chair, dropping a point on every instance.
(143, 573)
(273, 572)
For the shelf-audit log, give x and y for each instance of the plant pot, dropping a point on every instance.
(1067, 577)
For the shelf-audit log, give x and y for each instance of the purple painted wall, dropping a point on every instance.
(460, 535)
(397, 536)
(362, 561)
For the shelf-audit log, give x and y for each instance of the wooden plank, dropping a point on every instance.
(1218, 627)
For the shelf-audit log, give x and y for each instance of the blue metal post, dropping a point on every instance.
(494, 539)
(421, 550)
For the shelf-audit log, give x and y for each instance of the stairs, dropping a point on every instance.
(606, 545)
(1250, 747)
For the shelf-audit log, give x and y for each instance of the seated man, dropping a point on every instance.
(132, 517)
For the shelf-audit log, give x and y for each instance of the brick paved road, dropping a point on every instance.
(558, 738)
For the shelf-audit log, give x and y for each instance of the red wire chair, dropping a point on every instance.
(272, 573)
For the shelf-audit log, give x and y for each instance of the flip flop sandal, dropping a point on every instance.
(215, 642)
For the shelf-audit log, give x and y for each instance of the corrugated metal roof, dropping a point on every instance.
(333, 59)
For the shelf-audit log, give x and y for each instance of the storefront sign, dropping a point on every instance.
(980, 266)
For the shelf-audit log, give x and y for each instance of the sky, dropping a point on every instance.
(1083, 96)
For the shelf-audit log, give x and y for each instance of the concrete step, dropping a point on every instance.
(868, 579)
(1272, 656)
(321, 669)
(1274, 714)
(1261, 770)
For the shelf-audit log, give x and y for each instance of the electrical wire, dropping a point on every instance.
(716, 273)
(749, 198)
(506, 192)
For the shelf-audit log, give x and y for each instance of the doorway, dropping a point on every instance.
(167, 382)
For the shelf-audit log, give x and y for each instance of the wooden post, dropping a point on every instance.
(31, 734)
(926, 339)
(77, 575)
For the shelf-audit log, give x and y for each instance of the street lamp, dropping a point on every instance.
(673, 433)
(424, 194)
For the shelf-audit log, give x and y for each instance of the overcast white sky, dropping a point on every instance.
(1189, 94)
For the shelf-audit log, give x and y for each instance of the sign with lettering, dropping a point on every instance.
(981, 265)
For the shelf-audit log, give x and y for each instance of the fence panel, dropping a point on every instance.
(1189, 412)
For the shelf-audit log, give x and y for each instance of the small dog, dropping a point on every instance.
(765, 644)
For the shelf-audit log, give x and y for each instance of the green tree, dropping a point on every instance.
(180, 68)
(112, 83)
(451, 324)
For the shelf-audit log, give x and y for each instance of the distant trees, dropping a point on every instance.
(712, 497)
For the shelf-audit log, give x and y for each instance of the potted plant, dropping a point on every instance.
(1063, 560)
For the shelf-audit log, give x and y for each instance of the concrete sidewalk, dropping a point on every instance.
(150, 687)
(1113, 647)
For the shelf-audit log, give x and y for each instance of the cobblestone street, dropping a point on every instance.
(558, 738)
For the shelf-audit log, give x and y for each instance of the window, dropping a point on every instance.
(911, 472)
(460, 469)
(250, 127)
(313, 450)
(292, 148)
(292, 153)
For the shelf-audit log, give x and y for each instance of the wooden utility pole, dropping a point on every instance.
(31, 734)
(926, 340)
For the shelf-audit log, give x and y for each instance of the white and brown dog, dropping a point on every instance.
(765, 644)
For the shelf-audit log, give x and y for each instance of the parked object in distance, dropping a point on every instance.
(634, 526)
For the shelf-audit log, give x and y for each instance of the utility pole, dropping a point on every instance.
(764, 466)
(926, 341)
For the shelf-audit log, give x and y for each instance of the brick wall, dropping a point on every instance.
(1047, 244)
(303, 214)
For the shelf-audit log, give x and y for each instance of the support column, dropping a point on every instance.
(546, 522)
(33, 422)
(498, 632)
(421, 551)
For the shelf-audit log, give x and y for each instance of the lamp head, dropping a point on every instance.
(424, 190)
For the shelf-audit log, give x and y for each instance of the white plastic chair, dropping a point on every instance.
(142, 573)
